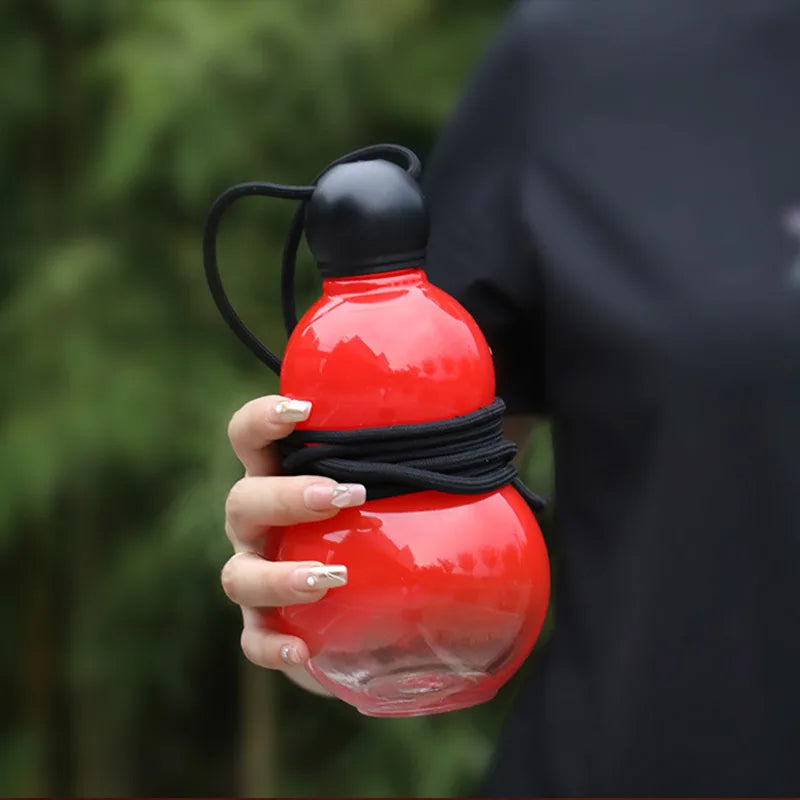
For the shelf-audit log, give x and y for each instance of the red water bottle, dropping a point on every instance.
(446, 593)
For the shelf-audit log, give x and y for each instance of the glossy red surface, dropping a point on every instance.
(385, 350)
(446, 593)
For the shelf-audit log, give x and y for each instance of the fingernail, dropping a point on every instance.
(320, 497)
(312, 579)
(292, 410)
(348, 494)
(290, 656)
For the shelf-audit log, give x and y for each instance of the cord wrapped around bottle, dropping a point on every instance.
(462, 455)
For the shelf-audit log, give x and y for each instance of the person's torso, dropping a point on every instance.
(663, 198)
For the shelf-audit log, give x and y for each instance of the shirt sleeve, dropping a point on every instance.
(478, 249)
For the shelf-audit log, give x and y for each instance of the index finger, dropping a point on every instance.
(259, 423)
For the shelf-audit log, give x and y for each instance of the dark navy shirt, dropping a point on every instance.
(617, 202)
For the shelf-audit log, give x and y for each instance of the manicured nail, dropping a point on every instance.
(320, 497)
(292, 410)
(290, 656)
(313, 579)
(348, 494)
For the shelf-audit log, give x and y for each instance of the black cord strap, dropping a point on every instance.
(462, 455)
(279, 191)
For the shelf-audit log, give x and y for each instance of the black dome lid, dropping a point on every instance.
(366, 217)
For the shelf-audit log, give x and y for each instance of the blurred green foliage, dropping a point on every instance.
(119, 123)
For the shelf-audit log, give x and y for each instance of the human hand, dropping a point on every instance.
(260, 501)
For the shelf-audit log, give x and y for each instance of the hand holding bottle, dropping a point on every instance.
(261, 500)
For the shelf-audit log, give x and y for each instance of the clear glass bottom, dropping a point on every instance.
(431, 691)
(427, 689)
(414, 678)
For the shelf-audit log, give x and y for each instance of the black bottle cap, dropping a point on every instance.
(366, 217)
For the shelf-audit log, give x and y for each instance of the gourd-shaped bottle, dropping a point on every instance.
(446, 593)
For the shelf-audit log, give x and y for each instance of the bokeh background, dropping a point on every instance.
(120, 121)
